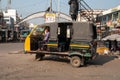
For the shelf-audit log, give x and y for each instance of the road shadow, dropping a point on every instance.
(102, 59)
(56, 58)
(98, 61)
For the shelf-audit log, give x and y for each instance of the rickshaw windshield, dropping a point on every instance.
(38, 30)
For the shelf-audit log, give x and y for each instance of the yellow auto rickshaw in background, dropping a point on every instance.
(102, 48)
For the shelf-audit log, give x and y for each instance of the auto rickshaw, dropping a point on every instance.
(74, 40)
(103, 48)
(23, 34)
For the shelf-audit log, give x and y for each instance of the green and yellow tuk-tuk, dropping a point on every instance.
(75, 40)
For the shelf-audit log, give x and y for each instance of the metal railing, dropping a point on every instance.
(85, 10)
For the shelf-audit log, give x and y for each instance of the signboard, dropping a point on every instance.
(50, 17)
(116, 9)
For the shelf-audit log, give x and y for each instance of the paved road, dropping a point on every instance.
(24, 67)
(10, 47)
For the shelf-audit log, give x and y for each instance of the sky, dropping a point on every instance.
(27, 7)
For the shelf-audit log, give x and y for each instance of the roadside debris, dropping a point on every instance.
(16, 52)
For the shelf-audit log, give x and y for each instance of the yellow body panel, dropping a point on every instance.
(27, 41)
(27, 44)
(100, 50)
(52, 45)
(77, 45)
(71, 45)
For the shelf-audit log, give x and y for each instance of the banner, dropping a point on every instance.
(50, 17)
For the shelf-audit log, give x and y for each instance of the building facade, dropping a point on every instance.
(83, 14)
(11, 13)
(110, 17)
(108, 22)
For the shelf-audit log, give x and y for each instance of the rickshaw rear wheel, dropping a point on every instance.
(39, 57)
(75, 61)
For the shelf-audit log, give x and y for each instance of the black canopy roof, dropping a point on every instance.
(81, 30)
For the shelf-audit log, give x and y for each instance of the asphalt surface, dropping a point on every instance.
(21, 66)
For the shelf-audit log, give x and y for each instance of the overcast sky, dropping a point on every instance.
(27, 7)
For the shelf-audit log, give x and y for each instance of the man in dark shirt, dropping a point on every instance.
(74, 6)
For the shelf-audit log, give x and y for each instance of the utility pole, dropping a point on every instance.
(0, 6)
(50, 5)
(58, 9)
(9, 4)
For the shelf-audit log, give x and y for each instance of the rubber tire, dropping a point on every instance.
(39, 57)
(75, 61)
